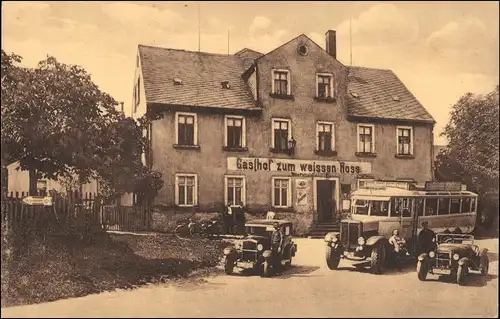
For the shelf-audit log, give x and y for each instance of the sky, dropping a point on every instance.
(440, 50)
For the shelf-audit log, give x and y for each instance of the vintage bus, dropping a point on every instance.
(377, 210)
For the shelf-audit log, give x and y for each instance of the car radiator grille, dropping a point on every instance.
(349, 233)
(249, 251)
(443, 260)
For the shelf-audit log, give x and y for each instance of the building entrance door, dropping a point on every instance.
(325, 200)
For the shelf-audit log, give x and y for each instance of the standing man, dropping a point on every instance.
(228, 219)
(426, 238)
(276, 241)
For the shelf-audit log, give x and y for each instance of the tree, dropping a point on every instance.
(57, 123)
(472, 155)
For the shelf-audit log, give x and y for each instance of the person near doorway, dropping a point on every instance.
(227, 217)
(426, 238)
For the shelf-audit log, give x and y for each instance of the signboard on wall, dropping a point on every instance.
(294, 166)
(302, 190)
(443, 186)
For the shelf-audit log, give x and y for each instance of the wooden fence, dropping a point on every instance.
(75, 208)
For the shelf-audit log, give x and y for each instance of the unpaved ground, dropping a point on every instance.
(309, 289)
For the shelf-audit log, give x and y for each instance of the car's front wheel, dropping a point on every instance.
(332, 258)
(484, 263)
(266, 269)
(422, 270)
(377, 263)
(228, 265)
(461, 272)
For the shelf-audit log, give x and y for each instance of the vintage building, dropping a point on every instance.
(293, 130)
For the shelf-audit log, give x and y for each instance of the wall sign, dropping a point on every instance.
(299, 167)
(302, 189)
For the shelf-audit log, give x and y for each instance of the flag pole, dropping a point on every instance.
(350, 39)
(199, 29)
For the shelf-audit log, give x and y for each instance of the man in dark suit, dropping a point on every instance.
(426, 238)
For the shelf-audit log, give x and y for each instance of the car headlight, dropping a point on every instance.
(432, 254)
(334, 239)
(361, 241)
(456, 257)
(260, 247)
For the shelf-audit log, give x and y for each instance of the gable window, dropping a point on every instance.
(366, 138)
(186, 189)
(325, 136)
(281, 134)
(186, 129)
(235, 134)
(404, 140)
(281, 82)
(281, 192)
(324, 86)
(235, 190)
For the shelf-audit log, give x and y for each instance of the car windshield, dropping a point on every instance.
(454, 239)
(259, 230)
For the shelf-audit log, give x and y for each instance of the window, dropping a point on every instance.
(360, 207)
(404, 140)
(379, 208)
(366, 140)
(443, 206)
(303, 50)
(235, 190)
(466, 205)
(431, 206)
(186, 189)
(281, 82)
(419, 206)
(281, 134)
(401, 207)
(324, 85)
(235, 132)
(325, 140)
(281, 192)
(186, 129)
(454, 205)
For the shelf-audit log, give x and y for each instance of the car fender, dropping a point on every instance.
(328, 236)
(464, 261)
(229, 251)
(372, 241)
(483, 251)
(267, 253)
(422, 257)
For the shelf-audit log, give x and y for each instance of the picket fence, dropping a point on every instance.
(87, 208)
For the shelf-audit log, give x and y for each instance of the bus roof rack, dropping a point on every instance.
(442, 186)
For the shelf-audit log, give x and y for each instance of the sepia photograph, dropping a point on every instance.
(250, 159)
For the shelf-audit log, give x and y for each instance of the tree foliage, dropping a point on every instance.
(58, 123)
(472, 155)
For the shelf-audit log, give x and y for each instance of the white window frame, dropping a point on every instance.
(363, 180)
(288, 195)
(289, 129)
(243, 188)
(373, 136)
(333, 133)
(195, 190)
(411, 138)
(288, 79)
(332, 90)
(195, 134)
(243, 129)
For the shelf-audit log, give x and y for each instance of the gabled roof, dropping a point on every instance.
(201, 75)
(379, 93)
(248, 56)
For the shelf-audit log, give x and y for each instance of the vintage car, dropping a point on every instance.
(254, 251)
(454, 256)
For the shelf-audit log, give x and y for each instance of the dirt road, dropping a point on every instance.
(309, 289)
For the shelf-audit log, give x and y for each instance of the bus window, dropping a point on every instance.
(473, 208)
(466, 201)
(360, 207)
(455, 206)
(444, 206)
(400, 207)
(419, 206)
(379, 208)
(430, 206)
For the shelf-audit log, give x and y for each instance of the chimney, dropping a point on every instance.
(331, 43)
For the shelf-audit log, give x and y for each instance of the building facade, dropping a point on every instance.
(293, 130)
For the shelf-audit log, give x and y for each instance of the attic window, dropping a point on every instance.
(178, 81)
(354, 94)
(225, 85)
(396, 98)
(303, 49)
